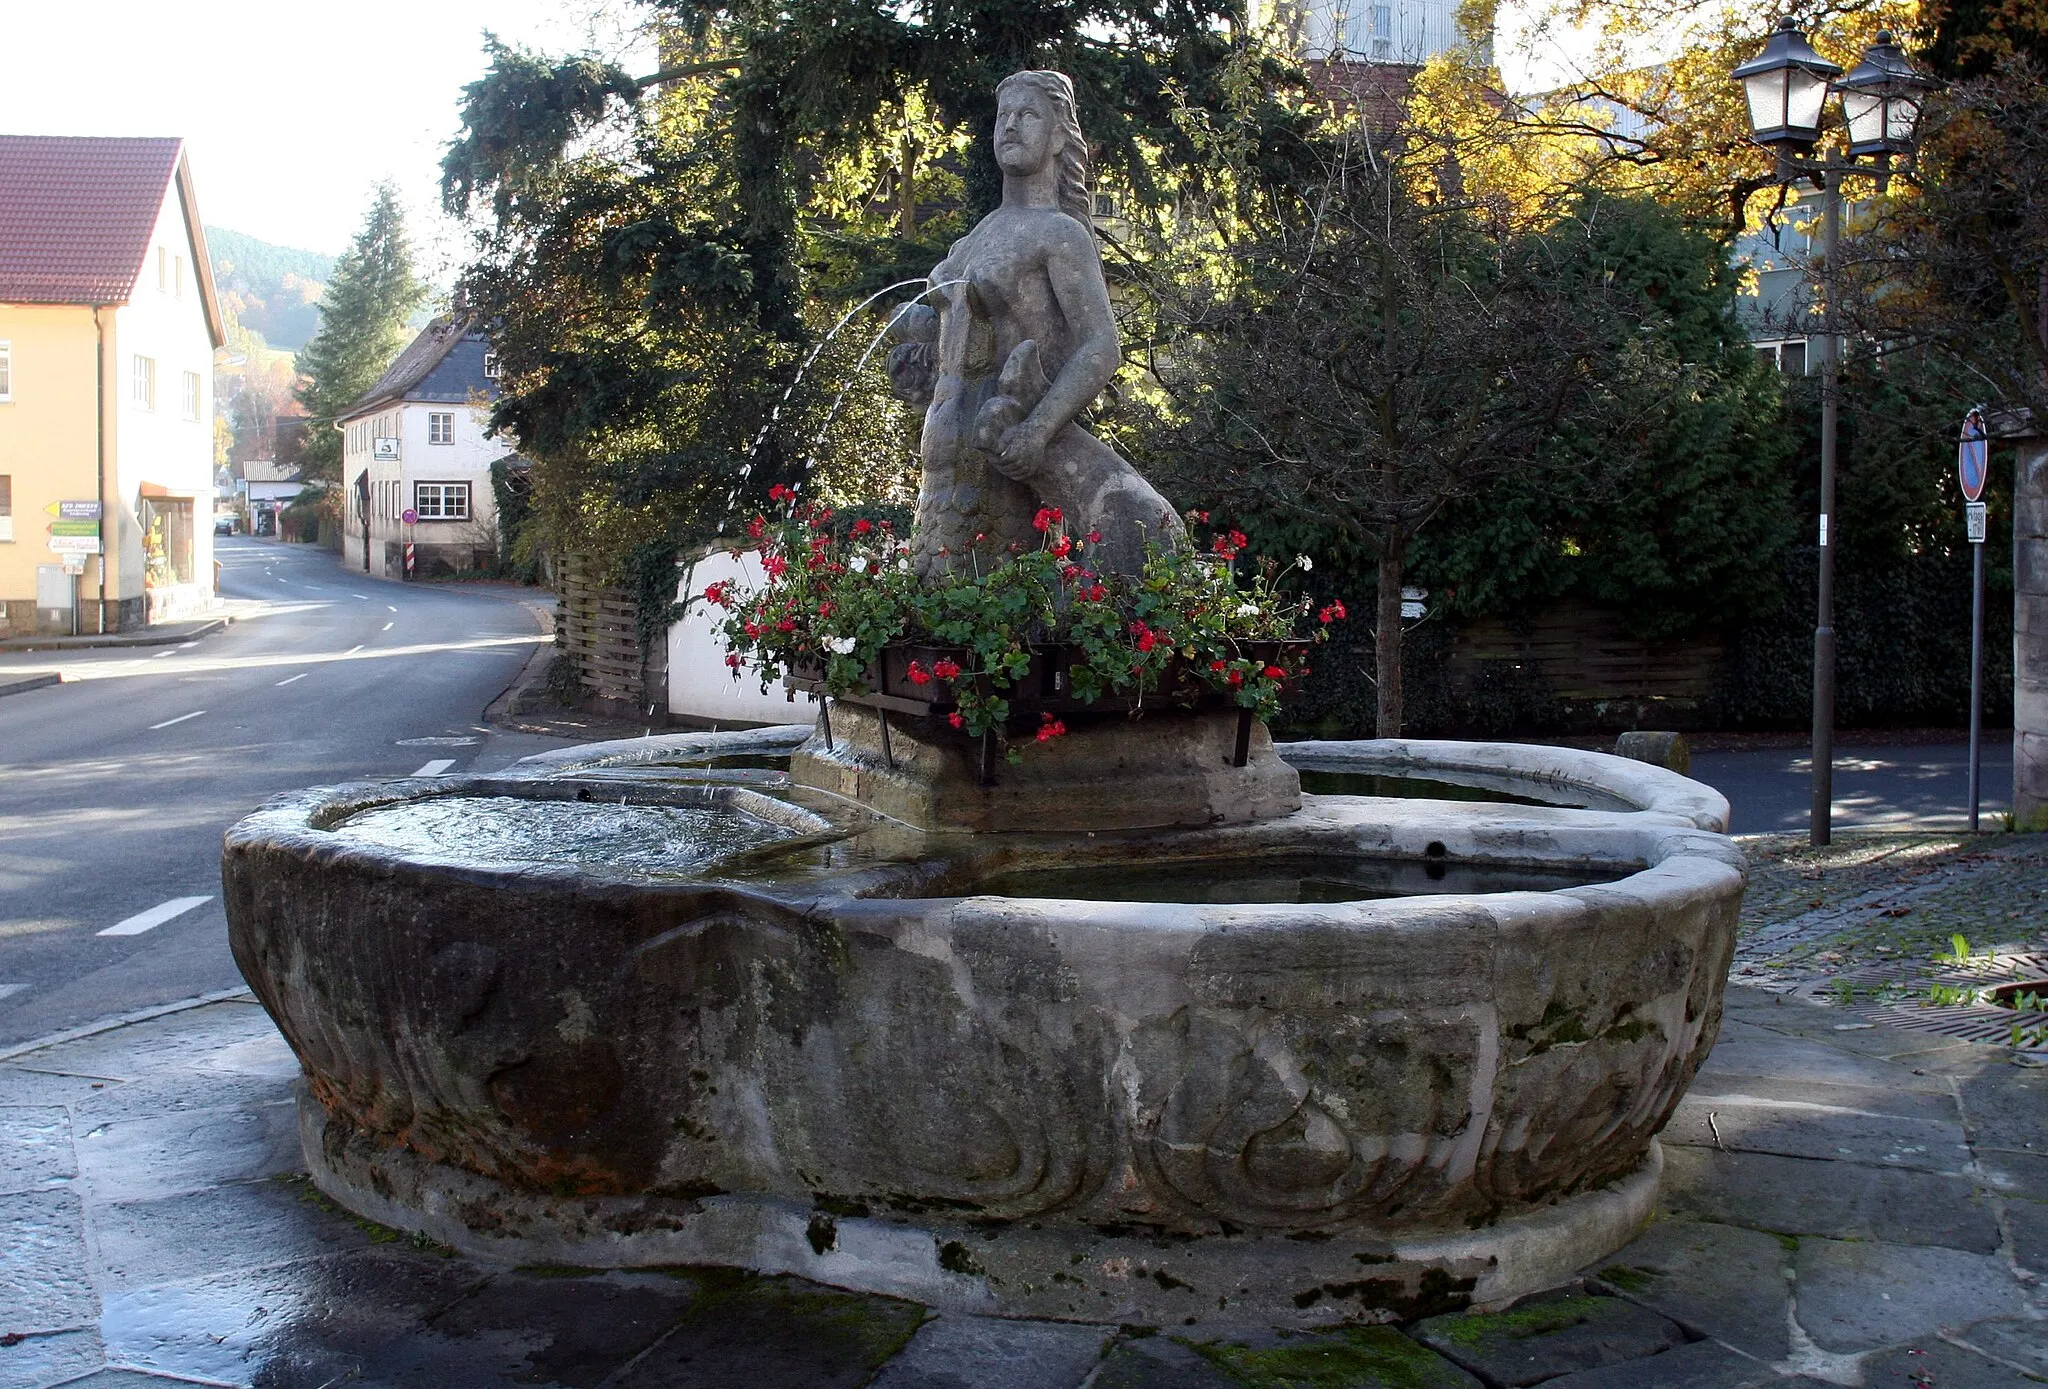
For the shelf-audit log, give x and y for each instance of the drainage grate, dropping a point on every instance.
(1900, 990)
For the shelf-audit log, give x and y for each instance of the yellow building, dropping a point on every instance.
(108, 325)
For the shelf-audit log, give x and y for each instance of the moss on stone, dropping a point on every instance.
(1517, 1323)
(1357, 1357)
(1629, 1280)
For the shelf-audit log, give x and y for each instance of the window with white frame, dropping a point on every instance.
(440, 427)
(441, 501)
(163, 268)
(143, 389)
(178, 276)
(191, 395)
(6, 371)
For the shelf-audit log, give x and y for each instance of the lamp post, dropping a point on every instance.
(1787, 86)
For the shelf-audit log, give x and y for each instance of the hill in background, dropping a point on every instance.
(269, 290)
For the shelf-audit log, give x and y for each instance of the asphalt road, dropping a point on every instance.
(1919, 787)
(115, 787)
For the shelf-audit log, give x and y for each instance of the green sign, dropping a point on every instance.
(85, 528)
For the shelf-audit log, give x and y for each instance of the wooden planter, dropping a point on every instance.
(1045, 688)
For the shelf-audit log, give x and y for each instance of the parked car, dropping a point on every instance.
(226, 523)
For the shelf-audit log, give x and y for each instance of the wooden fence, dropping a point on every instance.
(598, 628)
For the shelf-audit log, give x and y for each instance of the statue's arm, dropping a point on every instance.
(1074, 267)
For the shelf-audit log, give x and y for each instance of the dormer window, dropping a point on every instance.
(490, 366)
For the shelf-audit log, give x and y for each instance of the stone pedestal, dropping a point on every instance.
(2030, 634)
(1108, 772)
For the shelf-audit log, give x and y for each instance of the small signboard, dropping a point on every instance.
(74, 537)
(74, 511)
(1410, 609)
(384, 449)
(1973, 518)
(74, 563)
(409, 516)
(1973, 456)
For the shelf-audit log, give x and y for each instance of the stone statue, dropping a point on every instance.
(1013, 339)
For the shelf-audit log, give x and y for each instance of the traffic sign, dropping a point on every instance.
(1973, 455)
(1973, 518)
(409, 516)
(75, 544)
(74, 511)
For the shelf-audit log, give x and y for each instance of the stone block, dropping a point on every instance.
(1713, 1280)
(175, 1041)
(1813, 1128)
(2022, 1341)
(1358, 1357)
(1547, 1336)
(1934, 1362)
(963, 1352)
(309, 1323)
(1839, 1200)
(161, 1155)
(1856, 1297)
(58, 1358)
(2028, 1221)
(776, 1333)
(35, 1147)
(1158, 1362)
(555, 1328)
(1695, 1365)
(1668, 750)
(44, 1276)
(1778, 1059)
(238, 1225)
(2007, 1108)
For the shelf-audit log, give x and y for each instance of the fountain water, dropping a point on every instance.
(1137, 1032)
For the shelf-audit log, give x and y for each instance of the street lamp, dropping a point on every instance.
(1786, 87)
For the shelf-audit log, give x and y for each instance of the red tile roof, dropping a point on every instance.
(76, 214)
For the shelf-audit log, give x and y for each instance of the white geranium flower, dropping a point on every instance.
(1247, 609)
(903, 564)
(858, 565)
(1305, 562)
(843, 645)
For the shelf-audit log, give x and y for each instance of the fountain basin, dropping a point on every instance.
(829, 1055)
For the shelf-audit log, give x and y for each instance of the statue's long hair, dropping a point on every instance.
(1058, 89)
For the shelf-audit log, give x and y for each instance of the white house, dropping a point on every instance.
(415, 464)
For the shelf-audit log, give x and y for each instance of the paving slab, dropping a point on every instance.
(1713, 1280)
(1158, 1362)
(175, 1041)
(124, 1379)
(164, 1154)
(45, 1282)
(1358, 1357)
(239, 1225)
(774, 1333)
(1818, 1128)
(35, 1147)
(1855, 1296)
(2028, 1223)
(2022, 1342)
(308, 1323)
(1839, 1200)
(1695, 1365)
(962, 1352)
(35, 1361)
(1764, 1054)
(22, 1085)
(2014, 1174)
(2007, 1108)
(1544, 1337)
(1935, 1364)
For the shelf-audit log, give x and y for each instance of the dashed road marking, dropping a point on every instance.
(300, 676)
(161, 654)
(180, 719)
(388, 608)
(436, 767)
(364, 596)
(353, 649)
(388, 626)
(155, 916)
(6, 989)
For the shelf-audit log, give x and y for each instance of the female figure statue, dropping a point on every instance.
(1013, 339)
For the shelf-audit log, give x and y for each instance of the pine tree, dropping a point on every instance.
(362, 327)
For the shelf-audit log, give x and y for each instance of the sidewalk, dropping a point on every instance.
(1844, 1203)
(160, 634)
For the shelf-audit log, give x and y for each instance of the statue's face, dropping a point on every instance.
(1027, 136)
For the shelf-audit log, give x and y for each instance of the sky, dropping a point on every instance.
(292, 111)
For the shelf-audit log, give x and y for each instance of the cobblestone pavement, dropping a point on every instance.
(1843, 1204)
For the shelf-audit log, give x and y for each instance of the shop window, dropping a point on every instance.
(166, 541)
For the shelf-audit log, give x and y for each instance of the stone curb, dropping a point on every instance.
(121, 1020)
(142, 638)
(29, 682)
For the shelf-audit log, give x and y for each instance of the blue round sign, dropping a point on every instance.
(1973, 456)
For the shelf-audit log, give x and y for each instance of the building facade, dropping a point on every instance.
(415, 462)
(108, 326)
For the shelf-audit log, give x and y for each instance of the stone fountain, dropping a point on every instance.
(1139, 1032)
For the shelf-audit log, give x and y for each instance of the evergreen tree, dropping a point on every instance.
(362, 327)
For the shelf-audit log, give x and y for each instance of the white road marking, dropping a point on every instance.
(155, 916)
(161, 654)
(436, 767)
(388, 626)
(300, 676)
(180, 719)
(353, 649)
(187, 646)
(364, 596)
(6, 989)
(388, 608)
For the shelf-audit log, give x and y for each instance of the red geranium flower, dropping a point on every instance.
(1050, 728)
(946, 670)
(1274, 673)
(863, 526)
(1047, 516)
(785, 626)
(779, 493)
(955, 719)
(918, 674)
(776, 564)
(1095, 537)
(757, 527)
(1334, 613)
(732, 658)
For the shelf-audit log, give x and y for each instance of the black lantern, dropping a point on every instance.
(1787, 84)
(1881, 98)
